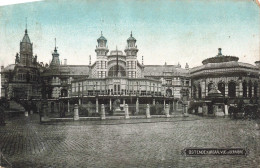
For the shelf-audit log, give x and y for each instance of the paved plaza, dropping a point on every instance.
(156, 142)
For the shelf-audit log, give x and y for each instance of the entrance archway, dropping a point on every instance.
(232, 89)
(112, 72)
(210, 86)
(221, 88)
(255, 89)
(250, 89)
(244, 89)
(199, 92)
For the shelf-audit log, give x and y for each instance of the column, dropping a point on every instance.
(164, 104)
(124, 102)
(76, 112)
(237, 90)
(204, 109)
(44, 116)
(226, 109)
(226, 89)
(26, 113)
(97, 105)
(137, 105)
(103, 115)
(79, 101)
(126, 112)
(68, 106)
(110, 104)
(253, 88)
(240, 89)
(174, 106)
(148, 111)
(203, 89)
(167, 111)
(153, 101)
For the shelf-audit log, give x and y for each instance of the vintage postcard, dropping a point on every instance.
(130, 83)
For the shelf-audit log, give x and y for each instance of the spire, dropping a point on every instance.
(101, 33)
(89, 59)
(131, 34)
(55, 49)
(26, 25)
(142, 60)
(117, 62)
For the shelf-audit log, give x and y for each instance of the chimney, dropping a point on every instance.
(65, 61)
(219, 51)
(257, 63)
(187, 66)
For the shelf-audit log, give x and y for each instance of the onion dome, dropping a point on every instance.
(131, 38)
(101, 38)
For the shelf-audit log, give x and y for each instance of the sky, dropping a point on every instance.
(171, 31)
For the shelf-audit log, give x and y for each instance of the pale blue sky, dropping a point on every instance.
(170, 30)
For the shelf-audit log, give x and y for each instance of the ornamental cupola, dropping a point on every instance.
(102, 48)
(26, 52)
(131, 48)
(55, 57)
(220, 58)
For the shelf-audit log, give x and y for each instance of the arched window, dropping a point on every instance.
(210, 86)
(250, 89)
(168, 92)
(221, 88)
(199, 92)
(255, 89)
(194, 92)
(232, 89)
(64, 93)
(113, 71)
(244, 89)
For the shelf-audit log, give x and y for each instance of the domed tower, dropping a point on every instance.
(26, 52)
(101, 63)
(55, 57)
(131, 57)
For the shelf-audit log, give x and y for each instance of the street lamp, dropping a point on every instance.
(184, 94)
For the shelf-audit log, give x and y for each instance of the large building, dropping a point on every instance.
(22, 79)
(118, 76)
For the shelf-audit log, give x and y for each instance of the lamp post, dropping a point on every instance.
(79, 93)
(184, 96)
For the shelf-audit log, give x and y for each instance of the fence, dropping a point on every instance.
(89, 110)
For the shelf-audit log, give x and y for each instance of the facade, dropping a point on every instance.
(119, 76)
(22, 79)
(232, 78)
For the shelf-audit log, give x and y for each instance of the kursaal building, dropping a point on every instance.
(117, 76)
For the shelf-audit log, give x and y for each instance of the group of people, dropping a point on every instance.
(249, 110)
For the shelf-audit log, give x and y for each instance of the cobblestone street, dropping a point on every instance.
(157, 142)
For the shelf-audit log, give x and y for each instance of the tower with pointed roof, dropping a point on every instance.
(26, 51)
(101, 50)
(55, 57)
(131, 57)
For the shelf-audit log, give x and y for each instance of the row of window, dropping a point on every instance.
(132, 74)
(131, 65)
(116, 87)
(102, 74)
(101, 64)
